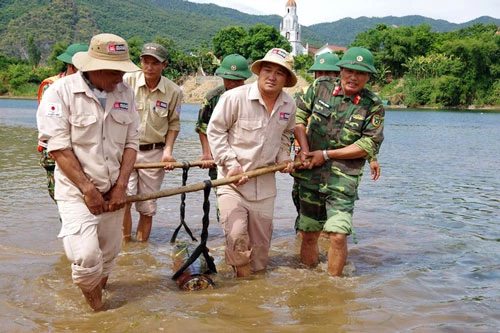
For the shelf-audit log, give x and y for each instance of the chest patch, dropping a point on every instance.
(161, 104)
(120, 106)
(284, 116)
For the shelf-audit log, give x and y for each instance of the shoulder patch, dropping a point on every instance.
(53, 110)
(376, 120)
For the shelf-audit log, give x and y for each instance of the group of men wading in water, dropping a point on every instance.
(97, 123)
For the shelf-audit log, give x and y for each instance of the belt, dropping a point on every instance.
(151, 146)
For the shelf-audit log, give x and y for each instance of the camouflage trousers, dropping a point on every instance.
(328, 207)
(48, 163)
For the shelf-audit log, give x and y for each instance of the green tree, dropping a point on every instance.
(433, 66)
(179, 64)
(228, 41)
(303, 62)
(260, 39)
(392, 47)
(478, 48)
(56, 65)
(135, 48)
(372, 39)
(207, 61)
(34, 54)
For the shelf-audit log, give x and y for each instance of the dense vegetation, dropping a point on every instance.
(420, 67)
(188, 24)
(421, 61)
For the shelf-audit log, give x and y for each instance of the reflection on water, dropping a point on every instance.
(427, 258)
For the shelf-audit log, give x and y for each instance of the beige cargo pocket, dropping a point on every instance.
(83, 129)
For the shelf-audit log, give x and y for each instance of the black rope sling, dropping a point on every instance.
(202, 247)
(185, 169)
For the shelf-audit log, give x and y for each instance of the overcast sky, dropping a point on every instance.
(320, 11)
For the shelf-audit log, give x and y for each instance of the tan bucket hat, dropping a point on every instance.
(106, 51)
(280, 57)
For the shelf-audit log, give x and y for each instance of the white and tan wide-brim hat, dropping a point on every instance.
(280, 57)
(106, 51)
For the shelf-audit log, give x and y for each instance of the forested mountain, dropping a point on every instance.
(343, 32)
(188, 24)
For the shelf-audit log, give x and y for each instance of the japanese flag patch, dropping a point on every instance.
(53, 110)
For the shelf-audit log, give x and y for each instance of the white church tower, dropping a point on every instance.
(290, 28)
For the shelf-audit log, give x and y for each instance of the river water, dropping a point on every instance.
(427, 258)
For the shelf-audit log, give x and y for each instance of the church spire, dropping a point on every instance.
(290, 28)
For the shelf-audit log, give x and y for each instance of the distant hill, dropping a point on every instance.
(188, 24)
(343, 32)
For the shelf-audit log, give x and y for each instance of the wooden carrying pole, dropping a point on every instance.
(163, 164)
(215, 183)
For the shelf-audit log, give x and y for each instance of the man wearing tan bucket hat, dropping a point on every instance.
(91, 127)
(249, 129)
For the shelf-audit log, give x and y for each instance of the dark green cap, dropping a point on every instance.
(67, 56)
(155, 50)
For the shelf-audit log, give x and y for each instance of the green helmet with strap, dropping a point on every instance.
(326, 62)
(359, 59)
(234, 67)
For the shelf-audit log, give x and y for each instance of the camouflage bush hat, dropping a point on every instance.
(106, 52)
(67, 56)
(234, 67)
(359, 59)
(280, 57)
(155, 50)
(326, 62)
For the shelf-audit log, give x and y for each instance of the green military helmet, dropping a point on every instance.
(359, 59)
(326, 62)
(70, 52)
(234, 67)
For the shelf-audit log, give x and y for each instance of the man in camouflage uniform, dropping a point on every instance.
(325, 66)
(234, 71)
(345, 129)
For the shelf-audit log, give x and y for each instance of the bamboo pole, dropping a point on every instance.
(215, 183)
(163, 164)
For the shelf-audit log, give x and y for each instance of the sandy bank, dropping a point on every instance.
(195, 88)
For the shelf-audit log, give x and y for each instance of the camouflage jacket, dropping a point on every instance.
(207, 108)
(338, 121)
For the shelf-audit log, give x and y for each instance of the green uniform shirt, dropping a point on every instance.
(207, 108)
(338, 121)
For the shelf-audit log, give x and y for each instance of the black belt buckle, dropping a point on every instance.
(151, 146)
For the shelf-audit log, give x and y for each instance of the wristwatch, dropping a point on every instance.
(325, 155)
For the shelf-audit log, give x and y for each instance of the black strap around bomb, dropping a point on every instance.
(185, 169)
(202, 248)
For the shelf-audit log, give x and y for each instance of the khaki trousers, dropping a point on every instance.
(248, 228)
(146, 180)
(92, 243)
